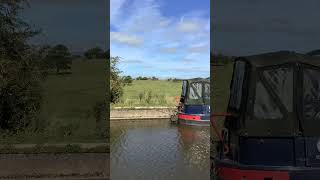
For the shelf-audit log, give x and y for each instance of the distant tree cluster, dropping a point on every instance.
(127, 80)
(314, 53)
(96, 53)
(147, 78)
(220, 59)
(174, 79)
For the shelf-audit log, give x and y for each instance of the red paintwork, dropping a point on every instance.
(238, 174)
(189, 117)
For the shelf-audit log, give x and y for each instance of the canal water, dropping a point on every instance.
(150, 150)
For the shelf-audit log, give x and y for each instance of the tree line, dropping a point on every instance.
(60, 58)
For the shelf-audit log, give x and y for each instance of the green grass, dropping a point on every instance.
(150, 93)
(222, 76)
(67, 113)
(220, 88)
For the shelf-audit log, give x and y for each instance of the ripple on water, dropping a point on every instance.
(159, 151)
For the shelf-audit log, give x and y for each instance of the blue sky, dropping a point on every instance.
(162, 38)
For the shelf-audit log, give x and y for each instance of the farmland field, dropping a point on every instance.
(67, 113)
(150, 93)
(220, 90)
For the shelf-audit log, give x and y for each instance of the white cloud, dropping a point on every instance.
(188, 26)
(164, 41)
(198, 48)
(190, 69)
(143, 16)
(115, 9)
(171, 47)
(133, 61)
(164, 23)
(169, 50)
(126, 39)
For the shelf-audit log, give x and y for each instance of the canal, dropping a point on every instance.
(158, 150)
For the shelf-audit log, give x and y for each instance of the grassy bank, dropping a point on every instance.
(222, 76)
(150, 93)
(67, 113)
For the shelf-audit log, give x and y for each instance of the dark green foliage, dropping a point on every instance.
(142, 78)
(59, 58)
(95, 53)
(100, 113)
(154, 78)
(176, 80)
(20, 69)
(116, 87)
(220, 59)
(127, 80)
(314, 53)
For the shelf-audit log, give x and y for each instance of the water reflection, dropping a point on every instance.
(159, 150)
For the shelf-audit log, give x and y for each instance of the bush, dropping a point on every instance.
(127, 80)
(95, 53)
(142, 78)
(154, 78)
(20, 70)
(176, 80)
(100, 112)
(116, 87)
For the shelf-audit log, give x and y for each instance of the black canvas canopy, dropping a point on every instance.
(196, 91)
(280, 57)
(276, 94)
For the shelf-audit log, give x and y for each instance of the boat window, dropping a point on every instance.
(237, 83)
(195, 93)
(184, 88)
(206, 94)
(281, 82)
(264, 106)
(311, 94)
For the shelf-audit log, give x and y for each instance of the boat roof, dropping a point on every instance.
(280, 57)
(198, 80)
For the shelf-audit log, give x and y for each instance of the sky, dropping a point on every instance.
(256, 26)
(162, 38)
(79, 24)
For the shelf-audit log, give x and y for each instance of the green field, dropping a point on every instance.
(220, 88)
(150, 93)
(67, 113)
(221, 78)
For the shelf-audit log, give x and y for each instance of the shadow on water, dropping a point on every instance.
(159, 150)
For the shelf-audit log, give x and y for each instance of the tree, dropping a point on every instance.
(20, 69)
(142, 78)
(59, 58)
(220, 59)
(116, 87)
(314, 53)
(154, 78)
(106, 54)
(127, 80)
(95, 53)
